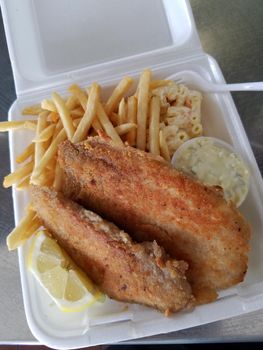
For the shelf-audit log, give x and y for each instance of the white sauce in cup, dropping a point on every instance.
(214, 163)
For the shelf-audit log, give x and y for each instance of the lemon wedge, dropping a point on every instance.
(63, 280)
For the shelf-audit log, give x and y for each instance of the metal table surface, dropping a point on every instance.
(232, 32)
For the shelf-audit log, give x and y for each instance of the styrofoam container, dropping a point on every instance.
(53, 43)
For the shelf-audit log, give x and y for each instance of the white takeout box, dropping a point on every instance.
(53, 43)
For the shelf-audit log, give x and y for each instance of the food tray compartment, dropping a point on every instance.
(114, 321)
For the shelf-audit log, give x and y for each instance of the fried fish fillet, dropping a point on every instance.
(127, 271)
(152, 201)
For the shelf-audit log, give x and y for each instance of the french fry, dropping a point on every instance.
(48, 105)
(72, 102)
(83, 100)
(159, 83)
(154, 125)
(89, 115)
(19, 240)
(132, 118)
(107, 125)
(49, 154)
(53, 117)
(96, 124)
(58, 177)
(46, 134)
(48, 179)
(39, 146)
(122, 111)
(18, 124)
(35, 225)
(51, 165)
(18, 174)
(79, 94)
(117, 94)
(32, 110)
(17, 233)
(76, 122)
(142, 110)
(28, 152)
(137, 91)
(125, 128)
(58, 128)
(30, 124)
(163, 147)
(77, 112)
(64, 114)
(23, 185)
(115, 118)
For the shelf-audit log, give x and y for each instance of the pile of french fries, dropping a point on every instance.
(133, 120)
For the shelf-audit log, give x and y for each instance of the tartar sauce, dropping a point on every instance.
(211, 163)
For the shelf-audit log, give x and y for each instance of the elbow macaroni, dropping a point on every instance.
(180, 114)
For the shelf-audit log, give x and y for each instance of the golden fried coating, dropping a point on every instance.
(127, 271)
(151, 201)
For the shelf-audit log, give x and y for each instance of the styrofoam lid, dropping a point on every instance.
(48, 39)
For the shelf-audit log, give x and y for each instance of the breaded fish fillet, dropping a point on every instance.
(152, 201)
(127, 271)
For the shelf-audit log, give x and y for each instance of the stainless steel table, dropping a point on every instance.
(232, 32)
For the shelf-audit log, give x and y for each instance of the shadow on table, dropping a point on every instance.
(222, 346)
